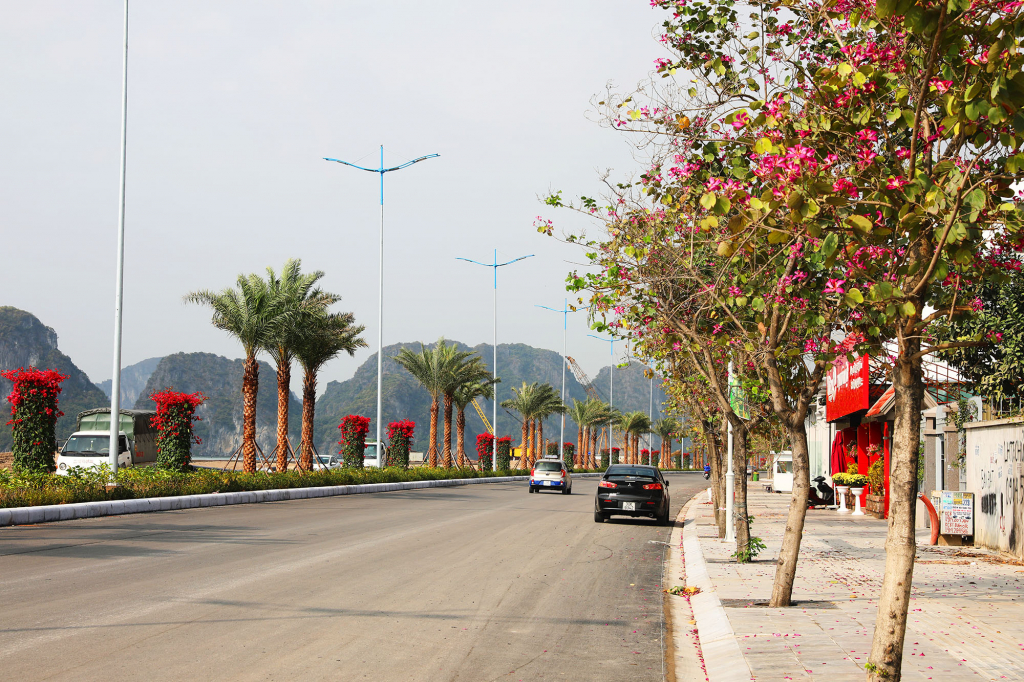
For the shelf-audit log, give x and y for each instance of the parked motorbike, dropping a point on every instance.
(823, 494)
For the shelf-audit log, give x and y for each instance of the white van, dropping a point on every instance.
(89, 445)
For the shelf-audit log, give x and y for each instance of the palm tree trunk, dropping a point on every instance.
(460, 436)
(308, 413)
(578, 455)
(524, 460)
(284, 380)
(593, 449)
(432, 447)
(447, 444)
(533, 442)
(540, 438)
(250, 387)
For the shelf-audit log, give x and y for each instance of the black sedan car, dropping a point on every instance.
(632, 490)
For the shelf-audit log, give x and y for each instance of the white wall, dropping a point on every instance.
(995, 474)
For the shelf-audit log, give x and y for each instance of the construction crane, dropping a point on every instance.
(483, 417)
(582, 377)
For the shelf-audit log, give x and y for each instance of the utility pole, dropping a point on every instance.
(115, 381)
(565, 325)
(380, 286)
(495, 265)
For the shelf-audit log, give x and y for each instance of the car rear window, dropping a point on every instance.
(549, 466)
(628, 473)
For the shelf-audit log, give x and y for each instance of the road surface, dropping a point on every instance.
(482, 582)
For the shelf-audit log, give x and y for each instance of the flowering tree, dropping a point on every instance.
(175, 414)
(569, 450)
(484, 448)
(615, 455)
(655, 457)
(855, 160)
(400, 442)
(504, 456)
(645, 456)
(353, 439)
(34, 416)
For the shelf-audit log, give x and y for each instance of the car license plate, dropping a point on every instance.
(629, 506)
(547, 482)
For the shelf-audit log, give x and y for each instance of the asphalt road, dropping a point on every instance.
(482, 582)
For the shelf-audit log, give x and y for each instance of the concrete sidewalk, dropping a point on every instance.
(966, 620)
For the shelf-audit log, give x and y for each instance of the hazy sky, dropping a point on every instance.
(232, 106)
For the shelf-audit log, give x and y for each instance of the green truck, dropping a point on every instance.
(89, 445)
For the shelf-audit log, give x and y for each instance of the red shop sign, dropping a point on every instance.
(847, 389)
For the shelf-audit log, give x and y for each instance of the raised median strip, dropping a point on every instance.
(16, 516)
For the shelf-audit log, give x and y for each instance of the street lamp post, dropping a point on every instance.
(611, 389)
(115, 381)
(565, 325)
(495, 265)
(380, 290)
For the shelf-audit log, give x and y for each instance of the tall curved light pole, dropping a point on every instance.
(115, 381)
(495, 265)
(611, 387)
(380, 290)
(565, 325)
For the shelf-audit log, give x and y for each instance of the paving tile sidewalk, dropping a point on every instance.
(967, 608)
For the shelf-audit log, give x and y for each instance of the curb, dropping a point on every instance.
(723, 658)
(18, 516)
(85, 510)
(685, 654)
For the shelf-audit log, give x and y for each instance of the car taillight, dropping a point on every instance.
(533, 473)
(563, 473)
(652, 486)
(607, 484)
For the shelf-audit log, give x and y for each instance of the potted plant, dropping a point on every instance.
(857, 483)
(876, 490)
(842, 483)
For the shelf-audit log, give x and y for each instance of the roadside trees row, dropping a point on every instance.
(835, 178)
(287, 316)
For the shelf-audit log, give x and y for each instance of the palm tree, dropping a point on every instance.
(464, 395)
(423, 366)
(322, 336)
(600, 413)
(523, 402)
(454, 368)
(296, 292)
(632, 423)
(641, 425)
(252, 314)
(666, 428)
(578, 413)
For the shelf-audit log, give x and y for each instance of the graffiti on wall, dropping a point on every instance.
(995, 474)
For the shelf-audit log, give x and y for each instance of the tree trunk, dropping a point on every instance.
(432, 447)
(524, 459)
(284, 380)
(308, 413)
(533, 442)
(901, 541)
(460, 436)
(540, 438)
(447, 444)
(578, 455)
(716, 456)
(739, 466)
(250, 386)
(593, 450)
(785, 570)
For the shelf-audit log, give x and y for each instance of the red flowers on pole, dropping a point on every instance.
(484, 448)
(175, 414)
(400, 442)
(34, 416)
(353, 439)
(504, 456)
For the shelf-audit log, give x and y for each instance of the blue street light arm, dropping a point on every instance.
(382, 169)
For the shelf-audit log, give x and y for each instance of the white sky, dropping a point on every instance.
(232, 105)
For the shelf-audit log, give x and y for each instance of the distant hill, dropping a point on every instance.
(220, 379)
(404, 398)
(133, 380)
(27, 342)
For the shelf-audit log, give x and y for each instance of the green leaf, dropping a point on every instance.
(859, 222)
(757, 304)
(845, 69)
(722, 206)
(996, 115)
(976, 198)
(708, 200)
(885, 8)
(973, 91)
(763, 146)
(854, 297)
(831, 243)
(908, 309)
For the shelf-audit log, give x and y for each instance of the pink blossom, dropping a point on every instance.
(867, 136)
(897, 182)
(940, 85)
(835, 286)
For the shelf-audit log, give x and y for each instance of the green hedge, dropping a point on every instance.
(19, 489)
